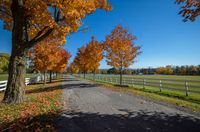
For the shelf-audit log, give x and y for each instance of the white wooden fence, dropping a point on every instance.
(186, 86)
(28, 81)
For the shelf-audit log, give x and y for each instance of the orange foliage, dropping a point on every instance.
(43, 17)
(49, 57)
(120, 49)
(165, 70)
(94, 54)
(88, 57)
(81, 60)
(74, 68)
(190, 10)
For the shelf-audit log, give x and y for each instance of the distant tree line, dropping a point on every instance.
(167, 70)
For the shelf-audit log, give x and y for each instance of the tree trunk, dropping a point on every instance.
(16, 76)
(84, 74)
(94, 75)
(120, 76)
(16, 80)
(50, 79)
(45, 78)
(56, 75)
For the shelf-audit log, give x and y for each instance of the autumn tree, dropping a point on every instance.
(49, 56)
(31, 21)
(62, 60)
(81, 60)
(94, 54)
(120, 49)
(74, 68)
(168, 70)
(190, 9)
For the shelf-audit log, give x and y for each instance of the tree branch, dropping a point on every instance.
(39, 37)
(3, 10)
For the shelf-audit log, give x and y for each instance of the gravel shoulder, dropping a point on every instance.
(92, 108)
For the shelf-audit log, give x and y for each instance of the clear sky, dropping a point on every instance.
(164, 37)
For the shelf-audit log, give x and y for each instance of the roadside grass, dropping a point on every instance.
(37, 113)
(4, 77)
(171, 97)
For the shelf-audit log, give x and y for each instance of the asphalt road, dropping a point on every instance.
(92, 108)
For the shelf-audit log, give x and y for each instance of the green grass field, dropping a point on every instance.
(5, 76)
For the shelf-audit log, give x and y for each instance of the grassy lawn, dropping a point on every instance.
(37, 113)
(5, 76)
(170, 96)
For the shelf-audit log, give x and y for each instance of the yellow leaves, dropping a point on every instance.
(120, 49)
(63, 16)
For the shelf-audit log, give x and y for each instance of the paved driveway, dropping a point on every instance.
(92, 108)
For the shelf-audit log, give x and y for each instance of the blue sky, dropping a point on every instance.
(164, 37)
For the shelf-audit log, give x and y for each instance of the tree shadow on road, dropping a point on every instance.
(141, 121)
(68, 85)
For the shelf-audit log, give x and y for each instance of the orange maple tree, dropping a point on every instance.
(49, 57)
(94, 54)
(74, 68)
(120, 49)
(190, 9)
(31, 21)
(81, 60)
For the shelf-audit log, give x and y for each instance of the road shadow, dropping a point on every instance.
(70, 84)
(141, 121)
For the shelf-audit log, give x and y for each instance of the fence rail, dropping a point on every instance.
(28, 81)
(187, 86)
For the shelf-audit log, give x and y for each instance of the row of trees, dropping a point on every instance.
(120, 52)
(168, 70)
(31, 22)
(179, 70)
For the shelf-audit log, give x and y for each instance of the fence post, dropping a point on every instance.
(160, 85)
(133, 82)
(144, 82)
(186, 88)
